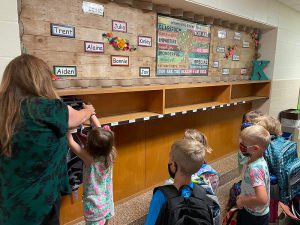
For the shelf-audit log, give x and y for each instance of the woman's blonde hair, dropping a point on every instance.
(270, 124)
(198, 136)
(25, 76)
(188, 154)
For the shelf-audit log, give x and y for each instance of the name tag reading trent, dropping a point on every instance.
(62, 30)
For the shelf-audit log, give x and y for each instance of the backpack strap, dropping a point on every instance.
(199, 192)
(169, 191)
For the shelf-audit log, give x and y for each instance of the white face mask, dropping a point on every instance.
(242, 159)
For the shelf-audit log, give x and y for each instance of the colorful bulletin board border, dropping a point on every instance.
(182, 47)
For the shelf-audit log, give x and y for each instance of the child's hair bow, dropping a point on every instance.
(106, 127)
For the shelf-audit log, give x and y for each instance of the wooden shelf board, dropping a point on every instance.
(126, 116)
(249, 82)
(191, 107)
(119, 89)
(250, 98)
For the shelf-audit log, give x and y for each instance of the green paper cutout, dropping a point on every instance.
(258, 70)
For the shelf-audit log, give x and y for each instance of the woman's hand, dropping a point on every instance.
(79, 117)
(90, 108)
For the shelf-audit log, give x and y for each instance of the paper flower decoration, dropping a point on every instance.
(54, 77)
(230, 51)
(256, 37)
(119, 43)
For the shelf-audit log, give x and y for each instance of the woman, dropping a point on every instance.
(33, 143)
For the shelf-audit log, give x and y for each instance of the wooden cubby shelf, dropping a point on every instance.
(250, 91)
(123, 105)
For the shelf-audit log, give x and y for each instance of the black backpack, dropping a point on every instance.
(195, 210)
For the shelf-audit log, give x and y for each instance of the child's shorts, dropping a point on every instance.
(246, 218)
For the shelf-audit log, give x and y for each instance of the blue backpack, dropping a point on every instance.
(282, 158)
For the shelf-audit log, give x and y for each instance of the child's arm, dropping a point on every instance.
(260, 198)
(94, 121)
(80, 152)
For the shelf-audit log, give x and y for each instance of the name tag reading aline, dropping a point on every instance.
(95, 47)
(65, 70)
(62, 30)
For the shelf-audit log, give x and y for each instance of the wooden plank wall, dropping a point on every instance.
(36, 16)
(246, 54)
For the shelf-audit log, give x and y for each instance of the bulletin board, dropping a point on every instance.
(191, 49)
(182, 47)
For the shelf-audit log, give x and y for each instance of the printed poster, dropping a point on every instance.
(182, 47)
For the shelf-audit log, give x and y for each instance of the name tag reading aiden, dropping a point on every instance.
(118, 60)
(62, 30)
(65, 70)
(94, 47)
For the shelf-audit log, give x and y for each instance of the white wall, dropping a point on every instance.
(9, 38)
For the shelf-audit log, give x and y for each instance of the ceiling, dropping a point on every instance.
(294, 4)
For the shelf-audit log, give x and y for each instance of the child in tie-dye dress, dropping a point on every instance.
(98, 156)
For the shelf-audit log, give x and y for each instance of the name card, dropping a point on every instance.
(132, 121)
(119, 26)
(243, 71)
(144, 71)
(237, 36)
(220, 49)
(145, 41)
(215, 64)
(225, 71)
(222, 34)
(118, 60)
(65, 70)
(92, 8)
(246, 44)
(94, 47)
(235, 58)
(62, 30)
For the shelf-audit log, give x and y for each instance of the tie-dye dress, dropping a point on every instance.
(98, 193)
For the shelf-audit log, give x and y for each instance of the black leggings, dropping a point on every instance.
(246, 218)
(53, 216)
